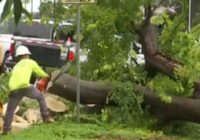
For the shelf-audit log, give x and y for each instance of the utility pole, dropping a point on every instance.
(54, 10)
(189, 16)
(40, 9)
(32, 7)
(78, 21)
(78, 62)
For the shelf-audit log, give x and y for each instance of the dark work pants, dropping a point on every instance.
(14, 99)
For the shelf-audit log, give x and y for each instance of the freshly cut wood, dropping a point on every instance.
(90, 105)
(17, 127)
(32, 116)
(5, 108)
(1, 123)
(52, 95)
(19, 119)
(55, 105)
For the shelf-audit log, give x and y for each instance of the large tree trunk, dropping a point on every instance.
(90, 92)
(180, 108)
(153, 57)
(155, 60)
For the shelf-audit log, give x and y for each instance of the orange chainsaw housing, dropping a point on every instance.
(41, 84)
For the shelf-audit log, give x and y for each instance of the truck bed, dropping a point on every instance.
(47, 54)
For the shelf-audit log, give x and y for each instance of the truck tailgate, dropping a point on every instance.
(45, 54)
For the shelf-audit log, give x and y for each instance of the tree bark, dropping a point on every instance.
(155, 60)
(181, 108)
(90, 92)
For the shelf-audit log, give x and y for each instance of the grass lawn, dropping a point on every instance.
(87, 129)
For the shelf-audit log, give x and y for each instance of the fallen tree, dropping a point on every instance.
(180, 108)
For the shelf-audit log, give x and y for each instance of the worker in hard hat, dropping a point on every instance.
(19, 86)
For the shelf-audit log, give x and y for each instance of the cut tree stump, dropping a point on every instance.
(32, 116)
(55, 105)
(5, 108)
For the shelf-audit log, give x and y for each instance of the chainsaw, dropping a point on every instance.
(43, 84)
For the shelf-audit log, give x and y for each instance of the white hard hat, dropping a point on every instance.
(22, 50)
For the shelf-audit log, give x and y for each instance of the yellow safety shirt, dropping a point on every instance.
(21, 74)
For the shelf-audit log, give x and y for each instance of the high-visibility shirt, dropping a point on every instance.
(22, 72)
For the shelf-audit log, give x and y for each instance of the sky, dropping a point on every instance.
(36, 4)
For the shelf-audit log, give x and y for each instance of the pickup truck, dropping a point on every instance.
(46, 51)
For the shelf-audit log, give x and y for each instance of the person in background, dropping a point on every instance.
(19, 86)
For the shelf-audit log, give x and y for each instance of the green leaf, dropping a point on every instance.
(17, 10)
(27, 13)
(157, 20)
(91, 27)
(6, 10)
(132, 53)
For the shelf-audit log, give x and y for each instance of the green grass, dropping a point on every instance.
(87, 129)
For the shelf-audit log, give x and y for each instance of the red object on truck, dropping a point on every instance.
(70, 56)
